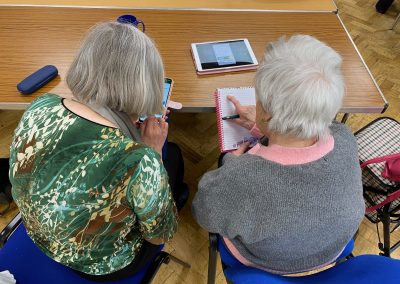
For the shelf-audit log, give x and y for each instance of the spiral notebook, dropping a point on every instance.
(231, 135)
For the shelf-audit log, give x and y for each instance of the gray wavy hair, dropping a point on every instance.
(300, 84)
(118, 66)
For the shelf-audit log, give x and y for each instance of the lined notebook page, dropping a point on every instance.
(231, 135)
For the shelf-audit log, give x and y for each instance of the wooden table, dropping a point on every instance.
(299, 5)
(31, 37)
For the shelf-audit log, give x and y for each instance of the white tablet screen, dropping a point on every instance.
(223, 54)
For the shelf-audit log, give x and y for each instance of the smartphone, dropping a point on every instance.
(168, 83)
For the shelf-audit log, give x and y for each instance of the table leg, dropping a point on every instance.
(396, 22)
(383, 5)
(345, 117)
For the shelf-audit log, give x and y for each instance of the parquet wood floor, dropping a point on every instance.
(197, 136)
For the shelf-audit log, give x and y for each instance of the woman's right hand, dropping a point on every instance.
(247, 114)
(154, 131)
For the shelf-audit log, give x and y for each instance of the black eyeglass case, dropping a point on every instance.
(37, 80)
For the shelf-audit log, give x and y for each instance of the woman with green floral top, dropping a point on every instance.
(91, 197)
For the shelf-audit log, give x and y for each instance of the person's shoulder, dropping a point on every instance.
(123, 148)
(343, 137)
(136, 152)
(341, 130)
(45, 100)
(242, 163)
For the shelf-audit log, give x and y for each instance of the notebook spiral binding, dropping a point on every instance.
(219, 119)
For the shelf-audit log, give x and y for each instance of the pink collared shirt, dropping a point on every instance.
(292, 155)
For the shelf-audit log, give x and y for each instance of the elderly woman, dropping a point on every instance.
(91, 197)
(292, 202)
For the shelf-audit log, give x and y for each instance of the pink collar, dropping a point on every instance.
(294, 156)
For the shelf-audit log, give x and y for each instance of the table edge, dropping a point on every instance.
(14, 106)
(169, 9)
(342, 110)
(386, 104)
(22, 106)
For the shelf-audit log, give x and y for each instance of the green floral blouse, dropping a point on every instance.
(88, 194)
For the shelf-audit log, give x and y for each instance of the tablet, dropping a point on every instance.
(223, 56)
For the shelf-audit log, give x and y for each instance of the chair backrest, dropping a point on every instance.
(392, 174)
(380, 138)
(30, 265)
(364, 269)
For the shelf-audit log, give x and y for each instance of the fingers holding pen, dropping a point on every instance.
(246, 114)
(236, 103)
(238, 107)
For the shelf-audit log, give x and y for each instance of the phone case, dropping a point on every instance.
(225, 70)
(37, 80)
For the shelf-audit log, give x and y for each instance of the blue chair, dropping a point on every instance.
(365, 269)
(30, 265)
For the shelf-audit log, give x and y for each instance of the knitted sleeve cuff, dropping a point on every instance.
(227, 158)
(256, 132)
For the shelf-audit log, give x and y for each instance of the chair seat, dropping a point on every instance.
(30, 265)
(364, 269)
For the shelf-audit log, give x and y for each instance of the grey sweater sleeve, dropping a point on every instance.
(215, 206)
(206, 206)
(212, 202)
(229, 157)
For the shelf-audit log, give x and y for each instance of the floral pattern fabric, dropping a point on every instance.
(88, 194)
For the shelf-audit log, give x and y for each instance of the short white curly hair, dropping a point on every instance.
(300, 84)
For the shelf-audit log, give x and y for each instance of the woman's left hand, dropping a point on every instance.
(242, 149)
(154, 132)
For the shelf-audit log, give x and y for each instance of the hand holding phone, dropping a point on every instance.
(154, 132)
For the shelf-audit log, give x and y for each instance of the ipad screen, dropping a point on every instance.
(223, 54)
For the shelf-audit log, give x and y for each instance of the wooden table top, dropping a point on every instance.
(304, 5)
(32, 37)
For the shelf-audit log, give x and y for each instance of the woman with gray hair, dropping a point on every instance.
(293, 201)
(93, 190)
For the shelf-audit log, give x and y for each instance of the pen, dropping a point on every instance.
(230, 117)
